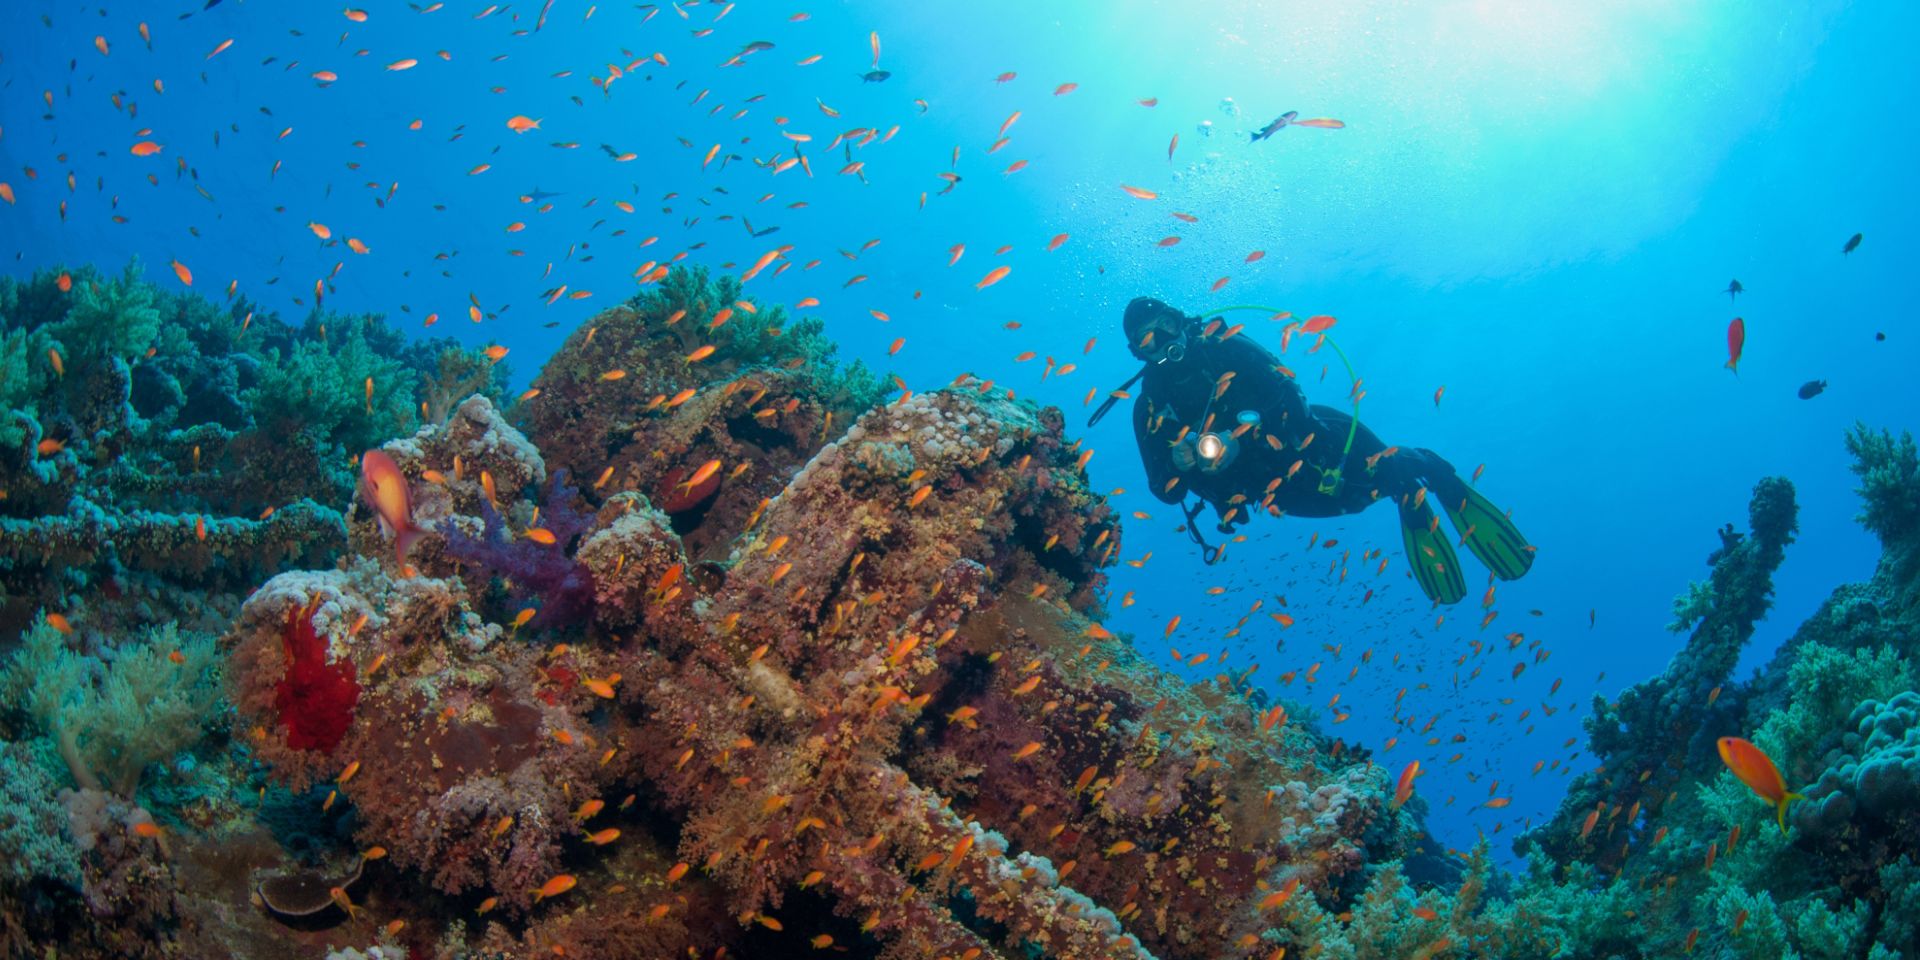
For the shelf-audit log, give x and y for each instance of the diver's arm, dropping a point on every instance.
(1156, 456)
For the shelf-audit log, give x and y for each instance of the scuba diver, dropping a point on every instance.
(1219, 417)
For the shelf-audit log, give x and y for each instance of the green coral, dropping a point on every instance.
(115, 717)
(33, 835)
(1825, 686)
(1889, 472)
(1900, 880)
(1824, 933)
(760, 338)
(36, 848)
(1745, 924)
(318, 389)
(114, 320)
(24, 370)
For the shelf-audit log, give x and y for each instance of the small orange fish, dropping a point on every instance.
(345, 903)
(603, 837)
(519, 124)
(1139, 192)
(60, 622)
(540, 535)
(676, 872)
(1756, 770)
(1403, 787)
(1029, 750)
(554, 887)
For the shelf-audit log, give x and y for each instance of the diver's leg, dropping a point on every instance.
(1370, 473)
(1483, 527)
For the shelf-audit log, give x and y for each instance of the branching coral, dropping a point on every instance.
(1889, 472)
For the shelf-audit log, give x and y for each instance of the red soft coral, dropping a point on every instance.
(315, 698)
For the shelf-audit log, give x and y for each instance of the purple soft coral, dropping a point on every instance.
(534, 571)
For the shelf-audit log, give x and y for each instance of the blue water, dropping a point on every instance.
(1535, 205)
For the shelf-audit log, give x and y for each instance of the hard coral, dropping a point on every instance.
(194, 458)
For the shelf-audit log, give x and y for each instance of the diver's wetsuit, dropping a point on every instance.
(1184, 393)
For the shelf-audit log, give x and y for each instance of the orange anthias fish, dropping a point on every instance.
(555, 887)
(1756, 770)
(384, 488)
(1403, 787)
(1736, 342)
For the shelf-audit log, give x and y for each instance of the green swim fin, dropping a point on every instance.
(1490, 535)
(1435, 566)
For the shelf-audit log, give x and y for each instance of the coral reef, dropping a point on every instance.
(1648, 737)
(796, 667)
(38, 859)
(161, 454)
(1661, 851)
(627, 400)
(872, 705)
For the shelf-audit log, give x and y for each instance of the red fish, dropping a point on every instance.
(1736, 341)
(384, 488)
(1756, 770)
